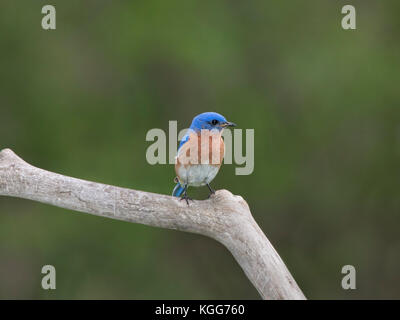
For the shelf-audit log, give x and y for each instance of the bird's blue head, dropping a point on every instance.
(210, 121)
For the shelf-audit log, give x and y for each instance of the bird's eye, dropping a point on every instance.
(214, 122)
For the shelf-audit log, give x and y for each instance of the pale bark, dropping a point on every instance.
(224, 217)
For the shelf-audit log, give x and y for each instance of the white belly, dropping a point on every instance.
(198, 174)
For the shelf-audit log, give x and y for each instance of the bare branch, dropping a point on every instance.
(225, 217)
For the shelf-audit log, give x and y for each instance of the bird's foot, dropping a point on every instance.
(186, 198)
(211, 194)
(212, 191)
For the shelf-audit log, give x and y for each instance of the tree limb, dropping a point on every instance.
(225, 217)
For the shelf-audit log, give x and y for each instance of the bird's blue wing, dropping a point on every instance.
(184, 140)
(178, 190)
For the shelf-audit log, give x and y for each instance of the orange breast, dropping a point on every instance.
(205, 148)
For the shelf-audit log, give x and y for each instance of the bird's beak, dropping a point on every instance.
(228, 124)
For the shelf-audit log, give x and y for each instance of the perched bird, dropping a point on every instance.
(200, 153)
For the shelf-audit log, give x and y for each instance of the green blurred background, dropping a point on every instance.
(324, 103)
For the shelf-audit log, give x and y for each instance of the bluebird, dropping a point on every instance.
(200, 153)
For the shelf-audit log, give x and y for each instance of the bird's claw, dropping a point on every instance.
(186, 198)
(212, 191)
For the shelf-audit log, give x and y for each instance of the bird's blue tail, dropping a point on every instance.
(178, 190)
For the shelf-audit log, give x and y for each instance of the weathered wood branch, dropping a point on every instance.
(225, 217)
